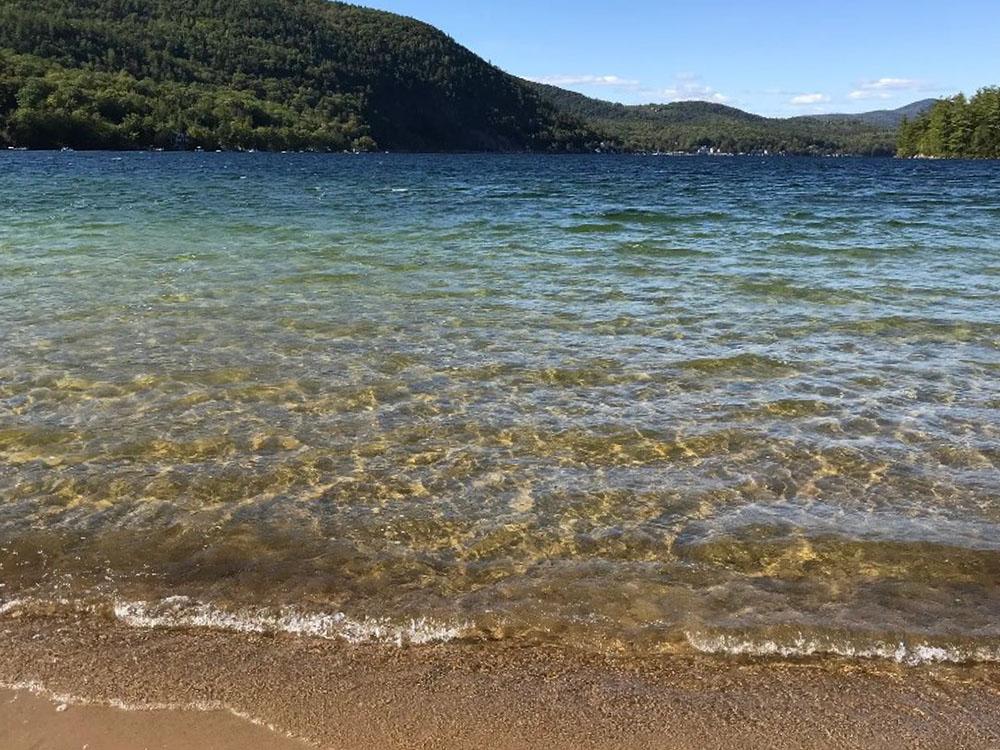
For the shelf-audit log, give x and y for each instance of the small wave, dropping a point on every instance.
(785, 289)
(183, 612)
(747, 363)
(641, 216)
(596, 228)
(10, 606)
(45, 607)
(803, 646)
(62, 699)
(657, 249)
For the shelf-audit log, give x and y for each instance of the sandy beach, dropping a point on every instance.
(333, 695)
(30, 720)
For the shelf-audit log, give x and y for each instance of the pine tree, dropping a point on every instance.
(959, 137)
(957, 128)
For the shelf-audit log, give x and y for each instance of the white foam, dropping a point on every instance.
(62, 700)
(181, 611)
(11, 605)
(30, 606)
(803, 646)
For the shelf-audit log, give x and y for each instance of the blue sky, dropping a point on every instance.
(773, 57)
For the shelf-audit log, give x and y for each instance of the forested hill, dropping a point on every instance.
(311, 74)
(956, 128)
(277, 74)
(888, 118)
(687, 126)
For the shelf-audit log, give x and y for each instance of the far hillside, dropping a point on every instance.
(886, 118)
(688, 126)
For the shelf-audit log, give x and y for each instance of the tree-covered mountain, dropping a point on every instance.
(956, 128)
(687, 126)
(883, 118)
(256, 73)
(312, 74)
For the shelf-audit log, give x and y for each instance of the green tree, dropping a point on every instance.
(957, 128)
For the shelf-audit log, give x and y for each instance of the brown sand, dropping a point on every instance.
(30, 721)
(468, 696)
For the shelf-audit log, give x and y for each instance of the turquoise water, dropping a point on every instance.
(636, 404)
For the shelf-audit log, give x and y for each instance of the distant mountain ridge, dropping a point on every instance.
(889, 118)
(317, 75)
(692, 125)
(598, 109)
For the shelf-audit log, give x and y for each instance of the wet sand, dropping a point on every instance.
(344, 697)
(31, 721)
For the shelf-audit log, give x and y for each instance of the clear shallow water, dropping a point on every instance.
(642, 404)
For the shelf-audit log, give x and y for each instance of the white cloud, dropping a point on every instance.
(587, 80)
(685, 87)
(884, 88)
(689, 86)
(804, 99)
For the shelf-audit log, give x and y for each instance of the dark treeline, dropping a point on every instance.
(956, 128)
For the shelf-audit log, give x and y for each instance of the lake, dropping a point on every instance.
(626, 404)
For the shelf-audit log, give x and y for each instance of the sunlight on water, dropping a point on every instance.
(628, 403)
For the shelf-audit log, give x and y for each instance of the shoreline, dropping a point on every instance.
(34, 718)
(337, 695)
(381, 152)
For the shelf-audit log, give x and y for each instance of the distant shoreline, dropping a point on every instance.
(678, 154)
(150, 150)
